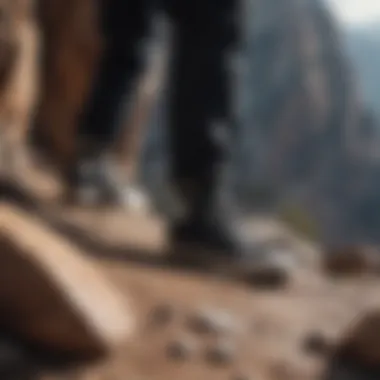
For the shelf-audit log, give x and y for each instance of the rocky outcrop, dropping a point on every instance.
(56, 298)
(307, 131)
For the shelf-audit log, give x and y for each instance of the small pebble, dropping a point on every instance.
(181, 349)
(271, 276)
(316, 343)
(162, 315)
(273, 269)
(223, 352)
(209, 321)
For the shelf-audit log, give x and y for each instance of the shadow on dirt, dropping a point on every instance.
(342, 368)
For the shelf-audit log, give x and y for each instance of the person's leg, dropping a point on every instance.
(124, 24)
(205, 36)
(207, 42)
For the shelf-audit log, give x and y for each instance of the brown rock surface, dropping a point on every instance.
(292, 314)
(310, 303)
(54, 297)
(282, 318)
(353, 260)
(72, 46)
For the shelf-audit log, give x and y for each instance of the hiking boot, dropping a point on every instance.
(213, 240)
(94, 184)
(94, 180)
(218, 247)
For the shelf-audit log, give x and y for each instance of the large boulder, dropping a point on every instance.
(52, 296)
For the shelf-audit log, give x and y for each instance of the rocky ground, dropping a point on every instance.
(193, 325)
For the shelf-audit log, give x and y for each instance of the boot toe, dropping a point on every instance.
(135, 200)
(272, 268)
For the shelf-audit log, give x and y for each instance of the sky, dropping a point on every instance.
(356, 11)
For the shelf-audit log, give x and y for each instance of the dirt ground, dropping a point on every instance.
(268, 328)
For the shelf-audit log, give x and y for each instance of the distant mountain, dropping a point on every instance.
(309, 137)
(363, 46)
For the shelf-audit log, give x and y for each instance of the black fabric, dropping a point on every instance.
(204, 33)
(124, 24)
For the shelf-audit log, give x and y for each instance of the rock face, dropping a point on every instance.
(72, 46)
(54, 297)
(19, 72)
(8, 43)
(312, 141)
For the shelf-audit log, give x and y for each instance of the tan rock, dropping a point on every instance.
(223, 352)
(361, 343)
(52, 295)
(352, 260)
(316, 343)
(162, 315)
(182, 348)
(211, 321)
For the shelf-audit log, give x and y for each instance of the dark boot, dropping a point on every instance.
(93, 179)
(211, 237)
(204, 223)
(85, 177)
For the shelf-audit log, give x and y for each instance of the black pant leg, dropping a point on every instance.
(124, 24)
(200, 93)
